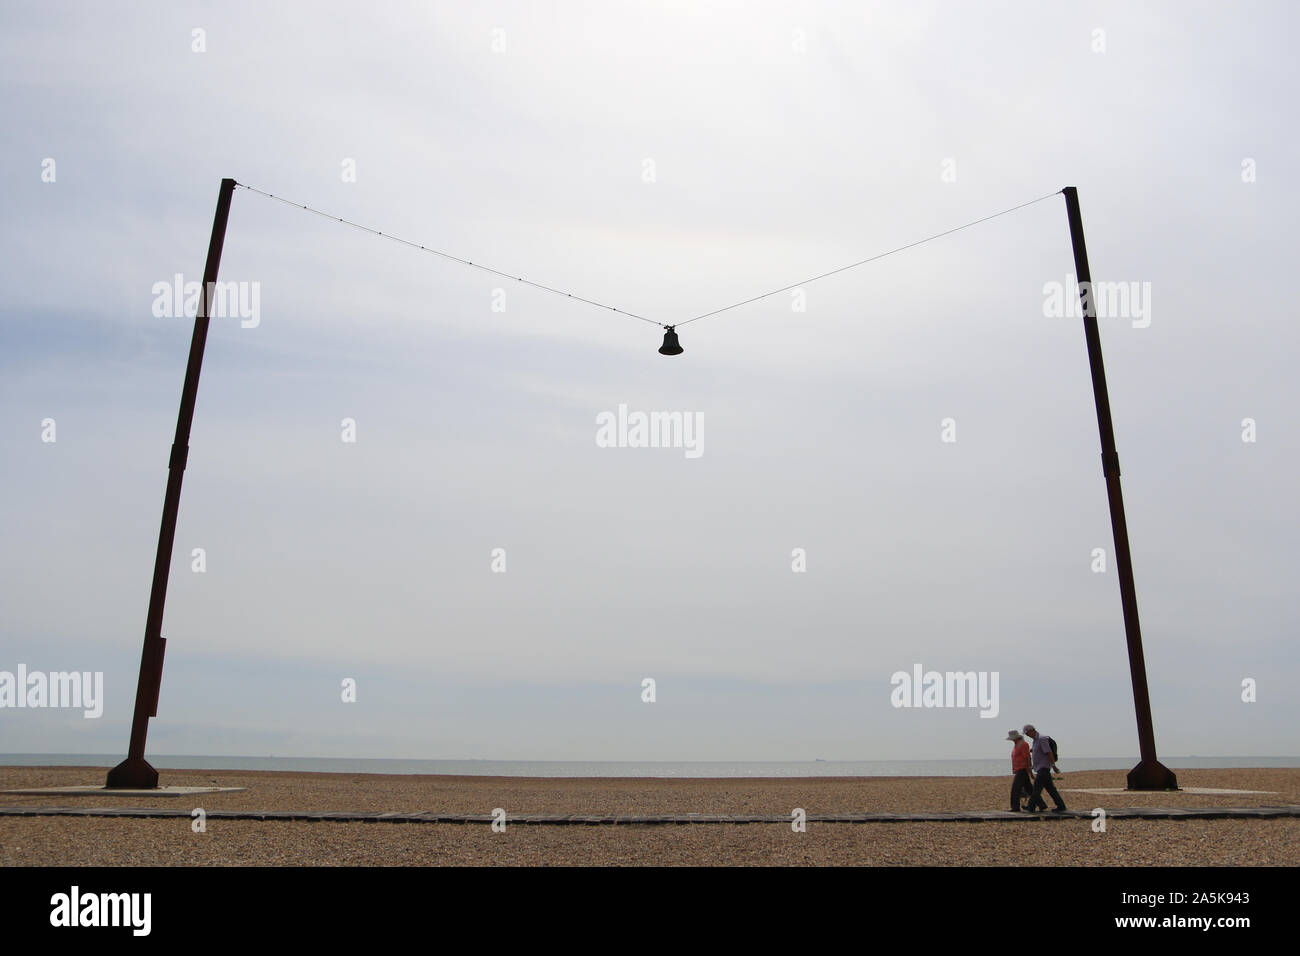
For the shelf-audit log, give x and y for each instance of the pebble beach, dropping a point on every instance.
(1032, 841)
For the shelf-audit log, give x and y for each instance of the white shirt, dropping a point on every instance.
(1041, 752)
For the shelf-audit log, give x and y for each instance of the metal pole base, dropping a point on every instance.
(133, 773)
(1152, 775)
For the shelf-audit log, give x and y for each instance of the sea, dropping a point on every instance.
(629, 768)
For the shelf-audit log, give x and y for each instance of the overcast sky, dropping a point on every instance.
(667, 159)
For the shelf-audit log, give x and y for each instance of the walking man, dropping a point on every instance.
(1021, 785)
(1041, 755)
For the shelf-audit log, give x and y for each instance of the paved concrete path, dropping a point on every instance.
(547, 819)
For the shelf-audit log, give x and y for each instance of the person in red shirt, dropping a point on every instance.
(1022, 785)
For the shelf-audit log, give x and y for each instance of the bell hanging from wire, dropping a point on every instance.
(671, 346)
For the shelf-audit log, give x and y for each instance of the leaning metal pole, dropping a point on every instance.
(1149, 774)
(135, 772)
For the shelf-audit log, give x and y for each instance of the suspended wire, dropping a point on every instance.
(910, 245)
(633, 315)
(476, 265)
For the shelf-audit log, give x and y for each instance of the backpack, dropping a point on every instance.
(1052, 743)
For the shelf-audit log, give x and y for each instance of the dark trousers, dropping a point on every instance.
(1044, 782)
(1020, 786)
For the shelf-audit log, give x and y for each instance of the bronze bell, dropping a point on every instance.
(671, 346)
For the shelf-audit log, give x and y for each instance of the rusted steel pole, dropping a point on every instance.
(1149, 774)
(135, 772)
